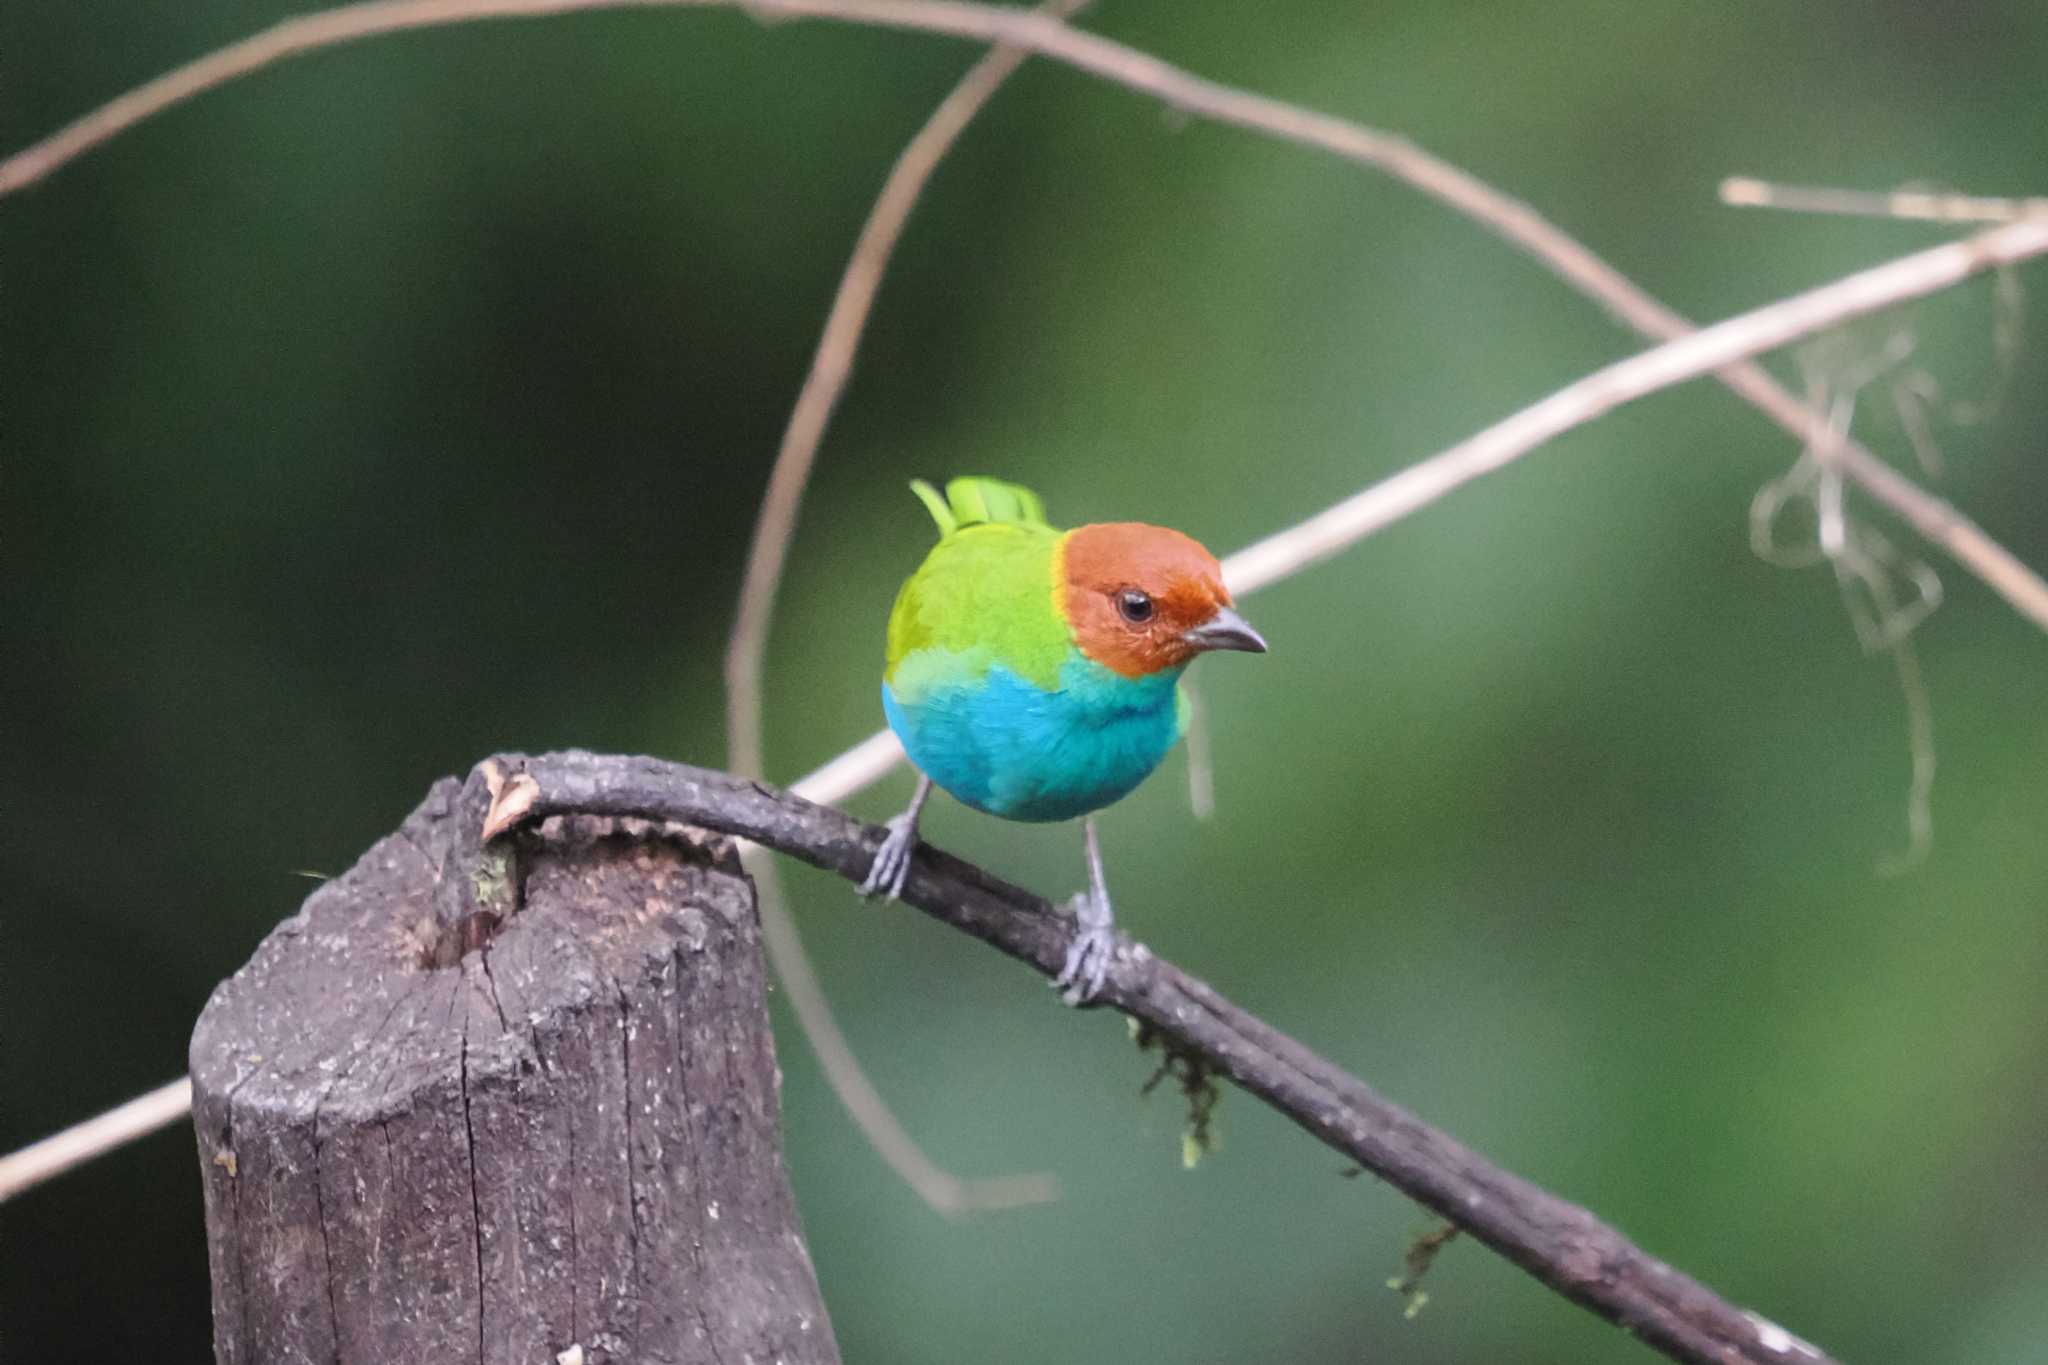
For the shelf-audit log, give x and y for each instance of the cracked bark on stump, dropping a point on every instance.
(569, 1136)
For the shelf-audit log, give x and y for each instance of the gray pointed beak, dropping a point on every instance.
(1226, 630)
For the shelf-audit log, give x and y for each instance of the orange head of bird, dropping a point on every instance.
(1143, 598)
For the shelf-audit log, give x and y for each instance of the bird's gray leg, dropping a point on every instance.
(1088, 956)
(892, 860)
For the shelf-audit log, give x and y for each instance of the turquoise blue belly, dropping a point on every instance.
(1012, 749)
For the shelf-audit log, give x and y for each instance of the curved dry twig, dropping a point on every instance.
(831, 367)
(938, 1187)
(746, 650)
(1712, 350)
(1563, 1245)
(1507, 217)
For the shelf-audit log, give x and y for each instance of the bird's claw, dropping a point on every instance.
(891, 867)
(1088, 957)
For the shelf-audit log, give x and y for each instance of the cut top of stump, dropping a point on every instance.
(567, 1137)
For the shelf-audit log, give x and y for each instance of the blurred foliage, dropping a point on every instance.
(412, 400)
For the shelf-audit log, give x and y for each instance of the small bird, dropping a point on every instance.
(1035, 674)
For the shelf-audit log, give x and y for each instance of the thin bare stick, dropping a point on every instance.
(1564, 1246)
(1928, 206)
(1337, 528)
(939, 1188)
(1288, 552)
(80, 1143)
(831, 366)
(1507, 217)
(1713, 349)
(774, 526)
(1201, 763)
(852, 772)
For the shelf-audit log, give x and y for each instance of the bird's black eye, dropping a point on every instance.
(1136, 606)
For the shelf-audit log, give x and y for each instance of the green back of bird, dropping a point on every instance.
(986, 594)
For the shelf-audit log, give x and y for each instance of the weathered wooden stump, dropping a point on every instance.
(565, 1139)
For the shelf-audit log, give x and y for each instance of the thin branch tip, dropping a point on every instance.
(1909, 204)
(1741, 191)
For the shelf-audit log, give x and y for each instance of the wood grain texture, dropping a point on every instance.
(567, 1136)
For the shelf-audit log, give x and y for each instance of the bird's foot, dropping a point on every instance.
(891, 867)
(1089, 955)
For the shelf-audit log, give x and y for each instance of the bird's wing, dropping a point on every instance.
(983, 595)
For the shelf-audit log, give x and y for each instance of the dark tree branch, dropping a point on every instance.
(1559, 1243)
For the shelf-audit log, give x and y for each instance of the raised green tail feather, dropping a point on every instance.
(971, 500)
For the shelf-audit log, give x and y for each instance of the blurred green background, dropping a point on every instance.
(412, 401)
